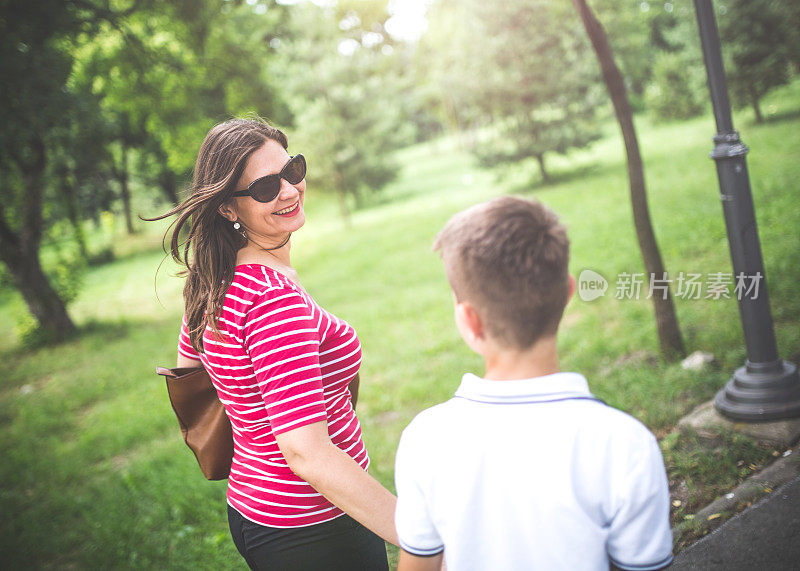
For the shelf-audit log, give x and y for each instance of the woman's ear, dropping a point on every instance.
(228, 210)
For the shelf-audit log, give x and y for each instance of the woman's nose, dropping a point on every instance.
(288, 190)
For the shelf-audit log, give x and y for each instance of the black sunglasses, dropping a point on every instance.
(266, 188)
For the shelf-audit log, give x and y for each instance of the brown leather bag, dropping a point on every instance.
(204, 424)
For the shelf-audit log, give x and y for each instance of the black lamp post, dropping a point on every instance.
(766, 388)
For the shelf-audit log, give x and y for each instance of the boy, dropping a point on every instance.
(524, 469)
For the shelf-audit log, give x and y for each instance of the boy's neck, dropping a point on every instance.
(503, 364)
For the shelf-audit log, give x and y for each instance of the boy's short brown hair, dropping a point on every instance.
(509, 258)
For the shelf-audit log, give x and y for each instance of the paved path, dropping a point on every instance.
(764, 536)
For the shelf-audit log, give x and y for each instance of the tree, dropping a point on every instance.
(669, 334)
(677, 87)
(444, 61)
(154, 76)
(81, 167)
(35, 64)
(792, 11)
(348, 102)
(170, 72)
(675, 92)
(759, 45)
(351, 131)
(630, 27)
(519, 68)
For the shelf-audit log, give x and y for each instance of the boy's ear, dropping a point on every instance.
(228, 211)
(470, 319)
(570, 286)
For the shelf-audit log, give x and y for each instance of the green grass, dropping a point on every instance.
(700, 468)
(95, 474)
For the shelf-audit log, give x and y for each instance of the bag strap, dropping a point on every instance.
(164, 371)
(177, 371)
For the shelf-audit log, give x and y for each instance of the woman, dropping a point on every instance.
(299, 496)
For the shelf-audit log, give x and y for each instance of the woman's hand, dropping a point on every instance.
(313, 457)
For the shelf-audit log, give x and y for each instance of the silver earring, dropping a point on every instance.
(237, 226)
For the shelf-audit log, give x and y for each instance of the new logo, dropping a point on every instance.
(591, 285)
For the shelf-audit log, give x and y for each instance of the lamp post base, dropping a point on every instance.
(761, 391)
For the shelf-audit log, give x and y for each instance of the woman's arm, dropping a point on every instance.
(184, 361)
(187, 355)
(313, 457)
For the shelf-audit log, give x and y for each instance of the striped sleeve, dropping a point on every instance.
(282, 338)
(184, 345)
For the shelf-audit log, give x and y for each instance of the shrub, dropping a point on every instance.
(678, 88)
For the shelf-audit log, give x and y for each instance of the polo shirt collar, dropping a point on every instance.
(548, 388)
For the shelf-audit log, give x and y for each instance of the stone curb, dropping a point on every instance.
(763, 536)
(708, 424)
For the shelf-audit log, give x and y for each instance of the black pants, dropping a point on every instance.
(342, 544)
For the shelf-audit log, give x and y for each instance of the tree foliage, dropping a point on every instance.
(759, 46)
(677, 86)
(111, 100)
(106, 101)
(520, 70)
(677, 90)
(760, 43)
(631, 26)
(348, 102)
(35, 63)
(102, 88)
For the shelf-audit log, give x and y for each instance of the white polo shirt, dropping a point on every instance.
(532, 474)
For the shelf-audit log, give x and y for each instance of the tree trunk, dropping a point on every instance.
(169, 185)
(20, 251)
(545, 176)
(43, 301)
(669, 334)
(451, 117)
(71, 206)
(124, 190)
(167, 180)
(358, 198)
(342, 196)
(756, 107)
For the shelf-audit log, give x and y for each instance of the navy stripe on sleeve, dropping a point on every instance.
(420, 552)
(644, 567)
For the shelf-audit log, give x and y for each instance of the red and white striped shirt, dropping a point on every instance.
(282, 362)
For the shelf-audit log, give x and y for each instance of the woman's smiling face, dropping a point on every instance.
(267, 223)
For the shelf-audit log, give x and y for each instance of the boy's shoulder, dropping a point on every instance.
(431, 418)
(432, 427)
(615, 419)
(591, 416)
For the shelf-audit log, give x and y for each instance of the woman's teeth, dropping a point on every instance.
(287, 210)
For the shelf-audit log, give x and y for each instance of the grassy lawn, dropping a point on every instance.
(95, 474)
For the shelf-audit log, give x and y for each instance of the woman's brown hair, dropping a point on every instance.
(209, 251)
